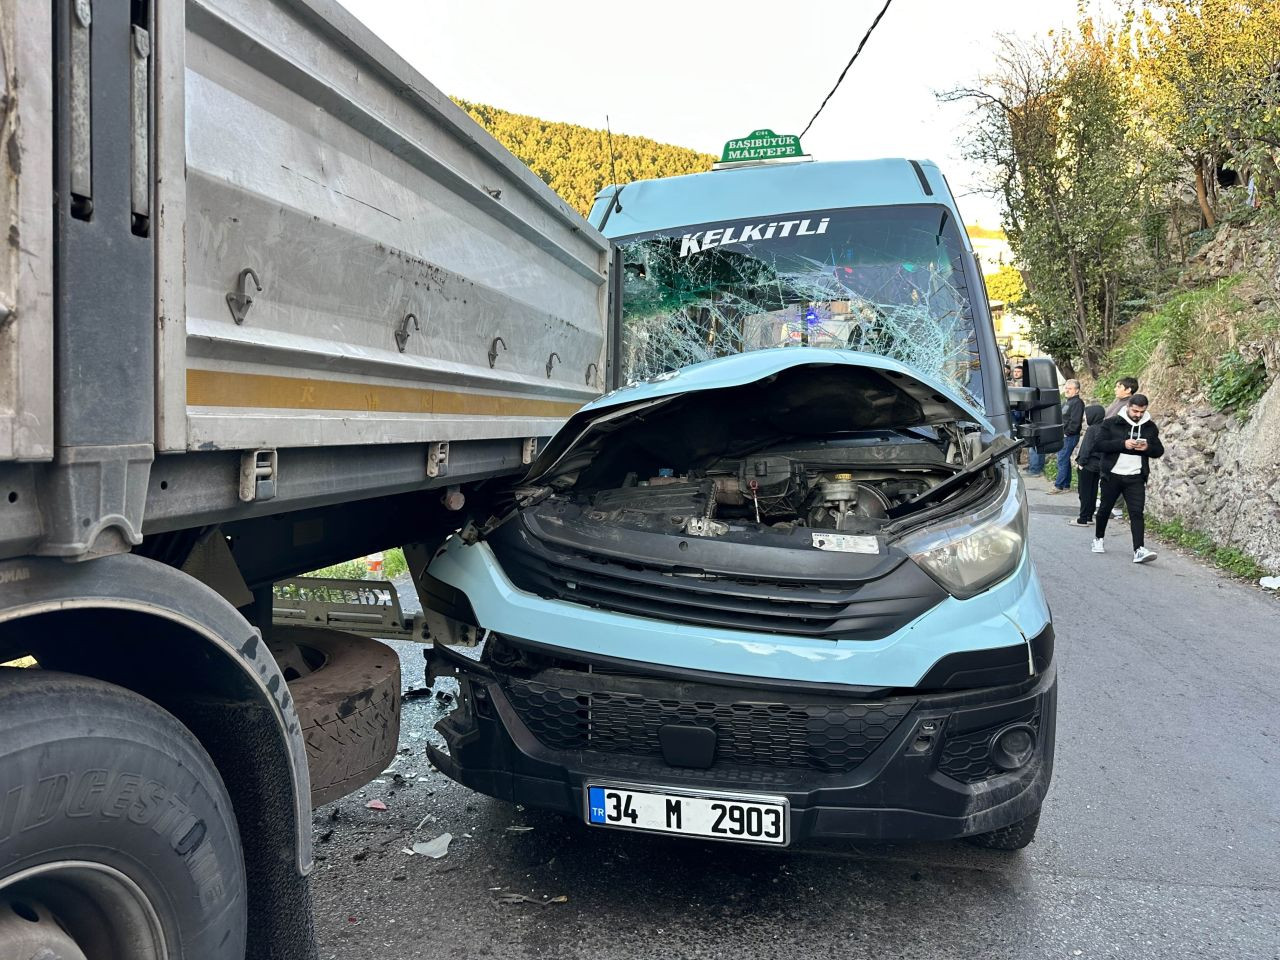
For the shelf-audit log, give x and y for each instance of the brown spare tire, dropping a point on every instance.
(346, 691)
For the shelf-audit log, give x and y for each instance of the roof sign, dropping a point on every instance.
(762, 145)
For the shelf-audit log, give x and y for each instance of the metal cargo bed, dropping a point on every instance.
(349, 289)
(418, 283)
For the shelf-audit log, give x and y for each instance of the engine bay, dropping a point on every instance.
(774, 490)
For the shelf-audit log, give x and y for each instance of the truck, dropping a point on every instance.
(268, 300)
(777, 588)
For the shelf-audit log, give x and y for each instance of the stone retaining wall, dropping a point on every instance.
(1222, 476)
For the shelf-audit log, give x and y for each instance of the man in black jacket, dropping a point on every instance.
(1128, 441)
(1088, 465)
(1072, 424)
(1126, 387)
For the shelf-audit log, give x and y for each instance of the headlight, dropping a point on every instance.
(969, 553)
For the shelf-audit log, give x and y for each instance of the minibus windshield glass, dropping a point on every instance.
(884, 280)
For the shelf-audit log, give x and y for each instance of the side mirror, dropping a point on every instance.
(1040, 403)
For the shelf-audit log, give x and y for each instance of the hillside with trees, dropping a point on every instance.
(1114, 147)
(574, 160)
(1137, 165)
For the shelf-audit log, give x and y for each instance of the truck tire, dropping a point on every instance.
(1013, 837)
(348, 704)
(117, 837)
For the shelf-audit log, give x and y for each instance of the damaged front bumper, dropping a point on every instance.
(872, 764)
(1003, 621)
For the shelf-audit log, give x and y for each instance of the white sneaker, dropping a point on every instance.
(1098, 546)
(1143, 555)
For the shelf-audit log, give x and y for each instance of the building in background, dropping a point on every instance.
(996, 260)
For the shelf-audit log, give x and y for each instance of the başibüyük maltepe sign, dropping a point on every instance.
(762, 145)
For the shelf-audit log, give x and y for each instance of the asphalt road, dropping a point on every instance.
(1160, 836)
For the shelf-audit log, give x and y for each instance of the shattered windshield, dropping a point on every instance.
(885, 280)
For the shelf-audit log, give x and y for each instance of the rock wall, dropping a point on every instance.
(1220, 475)
(1223, 476)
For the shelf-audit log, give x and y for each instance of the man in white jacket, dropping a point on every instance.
(1128, 442)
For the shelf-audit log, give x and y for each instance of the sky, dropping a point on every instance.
(699, 73)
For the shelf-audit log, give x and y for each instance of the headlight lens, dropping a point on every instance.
(969, 553)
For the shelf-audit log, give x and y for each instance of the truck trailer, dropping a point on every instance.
(268, 300)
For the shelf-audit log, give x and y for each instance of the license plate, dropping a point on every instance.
(692, 813)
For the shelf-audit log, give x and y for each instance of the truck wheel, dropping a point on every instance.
(117, 837)
(346, 691)
(1013, 837)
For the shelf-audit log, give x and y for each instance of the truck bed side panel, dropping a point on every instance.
(367, 205)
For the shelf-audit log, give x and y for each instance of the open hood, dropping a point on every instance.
(745, 402)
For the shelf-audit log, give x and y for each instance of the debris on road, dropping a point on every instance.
(1271, 583)
(435, 849)
(376, 805)
(517, 828)
(521, 898)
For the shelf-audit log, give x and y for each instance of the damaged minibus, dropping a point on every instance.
(776, 589)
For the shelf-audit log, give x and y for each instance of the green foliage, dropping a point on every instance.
(1233, 561)
(1237, 384)
(393, 564)
(574, 161)
(1208, 73)
(1005, 285)
(347, 570)
(1055, 124)
(1174, 324)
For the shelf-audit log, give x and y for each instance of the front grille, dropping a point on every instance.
(833, 610)
(831, 737)
(967, 757)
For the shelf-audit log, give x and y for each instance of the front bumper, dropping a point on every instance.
(1006, 617)
(919, 769)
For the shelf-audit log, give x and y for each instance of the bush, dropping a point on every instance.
(1237, 384)
(1172, 324)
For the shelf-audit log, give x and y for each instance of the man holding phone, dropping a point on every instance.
(1128, 442)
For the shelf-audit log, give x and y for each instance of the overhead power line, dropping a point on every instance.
(865, 37)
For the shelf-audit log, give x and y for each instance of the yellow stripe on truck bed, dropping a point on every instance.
(213, 388)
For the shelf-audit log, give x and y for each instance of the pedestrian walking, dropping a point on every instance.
(1127, 442)
(1126, 387)
(1072, 425)
(1089, 465)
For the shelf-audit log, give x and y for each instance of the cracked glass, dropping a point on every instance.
(884, 280)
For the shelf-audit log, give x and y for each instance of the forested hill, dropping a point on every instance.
(574, 160)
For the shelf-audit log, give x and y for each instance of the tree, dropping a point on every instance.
(1053, 124)
(575, 161)
(1209, 72)
(1006, 286)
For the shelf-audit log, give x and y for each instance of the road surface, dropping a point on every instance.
(1160, 836)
